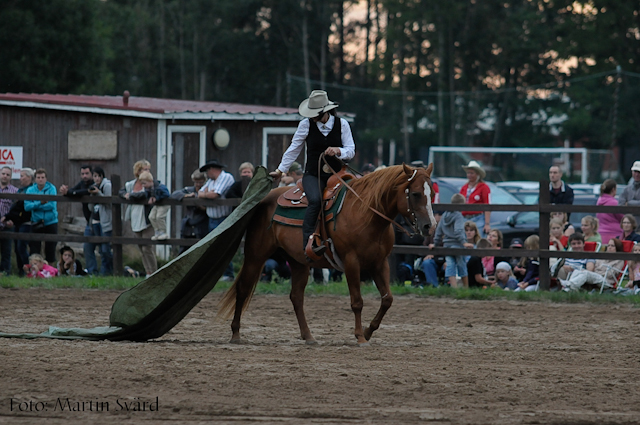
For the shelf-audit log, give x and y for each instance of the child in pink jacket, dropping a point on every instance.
(609, 226)
(39, 268)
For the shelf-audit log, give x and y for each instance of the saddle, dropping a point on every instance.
(296, 198)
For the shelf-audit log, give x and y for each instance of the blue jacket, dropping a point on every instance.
(160, 191)
(47, 211)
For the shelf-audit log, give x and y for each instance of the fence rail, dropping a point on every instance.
(544, 208)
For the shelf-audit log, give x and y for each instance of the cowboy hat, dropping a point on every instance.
(212, 163)
(317, 103)
(473, 165)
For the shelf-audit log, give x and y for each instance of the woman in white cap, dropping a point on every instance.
(322, 132)
(476, 191)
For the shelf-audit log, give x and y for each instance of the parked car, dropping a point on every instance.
(450, 185)
(523, 224)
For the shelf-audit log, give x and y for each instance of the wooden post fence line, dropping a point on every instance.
(544, 209)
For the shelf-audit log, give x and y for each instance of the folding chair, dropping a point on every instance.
(592, 246)
(626, 247)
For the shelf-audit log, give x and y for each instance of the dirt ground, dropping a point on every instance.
(433, 361)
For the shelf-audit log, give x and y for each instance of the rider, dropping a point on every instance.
(320, 132)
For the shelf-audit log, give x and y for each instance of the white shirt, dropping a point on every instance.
(219, 186)
(347, 151)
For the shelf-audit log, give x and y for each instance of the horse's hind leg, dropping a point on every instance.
(245, 282)
(381, 279)
(299, 278)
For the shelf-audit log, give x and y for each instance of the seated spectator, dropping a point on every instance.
(634, 271)
(195, 223)
(158, 214)
(605, 271)
(39, 268)
(367, 169)
(431, 266)
(518, 273)
(278, 264)
(567, 228)
(530, 265)
(496, 240)
(68, 265)
(628, 226)
(609, 223)
(576, 242)
(557, 240)
(504, 277)
(475, 270)
(44, 214)
(589, 225)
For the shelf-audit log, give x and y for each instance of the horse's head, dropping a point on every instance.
(419, 195)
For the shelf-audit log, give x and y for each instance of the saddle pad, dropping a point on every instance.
(295, 216)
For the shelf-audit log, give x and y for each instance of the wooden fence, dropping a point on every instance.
(544, 208)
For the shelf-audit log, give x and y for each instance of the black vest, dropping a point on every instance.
(317, 143)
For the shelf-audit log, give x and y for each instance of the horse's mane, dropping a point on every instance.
(377, 188)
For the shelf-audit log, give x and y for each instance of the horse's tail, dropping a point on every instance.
(227, 305)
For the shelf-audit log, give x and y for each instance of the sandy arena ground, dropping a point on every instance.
(436, 361)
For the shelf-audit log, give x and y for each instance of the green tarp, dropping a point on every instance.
(157, 304)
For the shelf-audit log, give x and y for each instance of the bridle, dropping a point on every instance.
(410, 208)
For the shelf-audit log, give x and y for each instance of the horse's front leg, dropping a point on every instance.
(381, 278)
(299, 278)
(352, 273)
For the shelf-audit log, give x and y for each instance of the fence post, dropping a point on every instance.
(545, 273)
(116, 224)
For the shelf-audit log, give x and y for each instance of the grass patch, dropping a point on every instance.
(335, 288)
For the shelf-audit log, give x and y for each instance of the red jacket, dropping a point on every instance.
(481, 194)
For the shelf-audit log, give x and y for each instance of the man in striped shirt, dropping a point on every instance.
(216, 188)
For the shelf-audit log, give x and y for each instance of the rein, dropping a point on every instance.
(322, 158)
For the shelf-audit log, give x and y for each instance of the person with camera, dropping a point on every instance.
(82, 189)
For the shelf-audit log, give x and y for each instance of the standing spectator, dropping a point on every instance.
(628, 225)
(195, 223)
(450, 233)
(82, 189)
(237, 189)
(39, 268)
(476, 191)
(630, 196)
(609, 222)
(68, 265)
(20, 220)
(216, 188)
(294, 174)
(589, 226)
(44, 214)
(158, 214)
(560, 192)
(138, 214)
(5, 206)
(101, 219)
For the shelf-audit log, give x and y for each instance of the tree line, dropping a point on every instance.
(438, 72)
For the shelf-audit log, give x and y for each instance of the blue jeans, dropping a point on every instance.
(430, 269)
(454, 264)
(5, 252)
(106, 268)
(213, 223)
(89, 248)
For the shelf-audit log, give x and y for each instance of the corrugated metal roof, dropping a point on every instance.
(145, 104)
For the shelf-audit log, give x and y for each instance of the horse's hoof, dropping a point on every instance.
(235, 341)
(311, 342)
(364, 344)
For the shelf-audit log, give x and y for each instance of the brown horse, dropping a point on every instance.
(363, 241)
